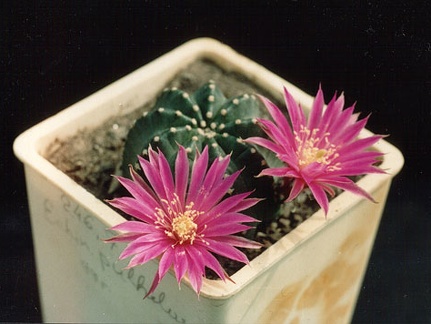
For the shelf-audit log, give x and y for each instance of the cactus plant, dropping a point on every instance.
(205, 118)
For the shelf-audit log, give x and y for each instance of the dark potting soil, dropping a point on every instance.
(91, 156)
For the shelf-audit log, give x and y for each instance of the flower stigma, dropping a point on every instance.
(313, 149)
(179, 223)
(184, 228)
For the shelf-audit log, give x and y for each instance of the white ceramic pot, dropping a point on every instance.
(313, 274)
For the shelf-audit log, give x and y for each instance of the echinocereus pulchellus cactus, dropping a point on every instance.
(205, 119)
(186, 211)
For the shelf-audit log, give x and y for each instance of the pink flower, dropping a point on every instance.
(183, 221)
(321, 152)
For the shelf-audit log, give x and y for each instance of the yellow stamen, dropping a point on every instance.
(311, 149)
(179, 224)
(184, 228)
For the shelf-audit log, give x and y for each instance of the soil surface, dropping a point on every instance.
(91, 156)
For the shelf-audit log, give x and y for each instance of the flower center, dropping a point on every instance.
(184, 228)
(313, 149)
(178, 222)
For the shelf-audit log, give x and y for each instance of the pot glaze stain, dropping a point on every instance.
(282, 305)
(329, 295)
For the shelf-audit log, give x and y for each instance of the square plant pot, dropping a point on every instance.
(312, 274)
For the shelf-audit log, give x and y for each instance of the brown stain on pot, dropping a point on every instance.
(282, 305)
(329, 292)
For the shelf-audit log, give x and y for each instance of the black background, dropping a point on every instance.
(377, 52)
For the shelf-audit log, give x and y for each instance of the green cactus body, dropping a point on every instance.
(204, 118)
